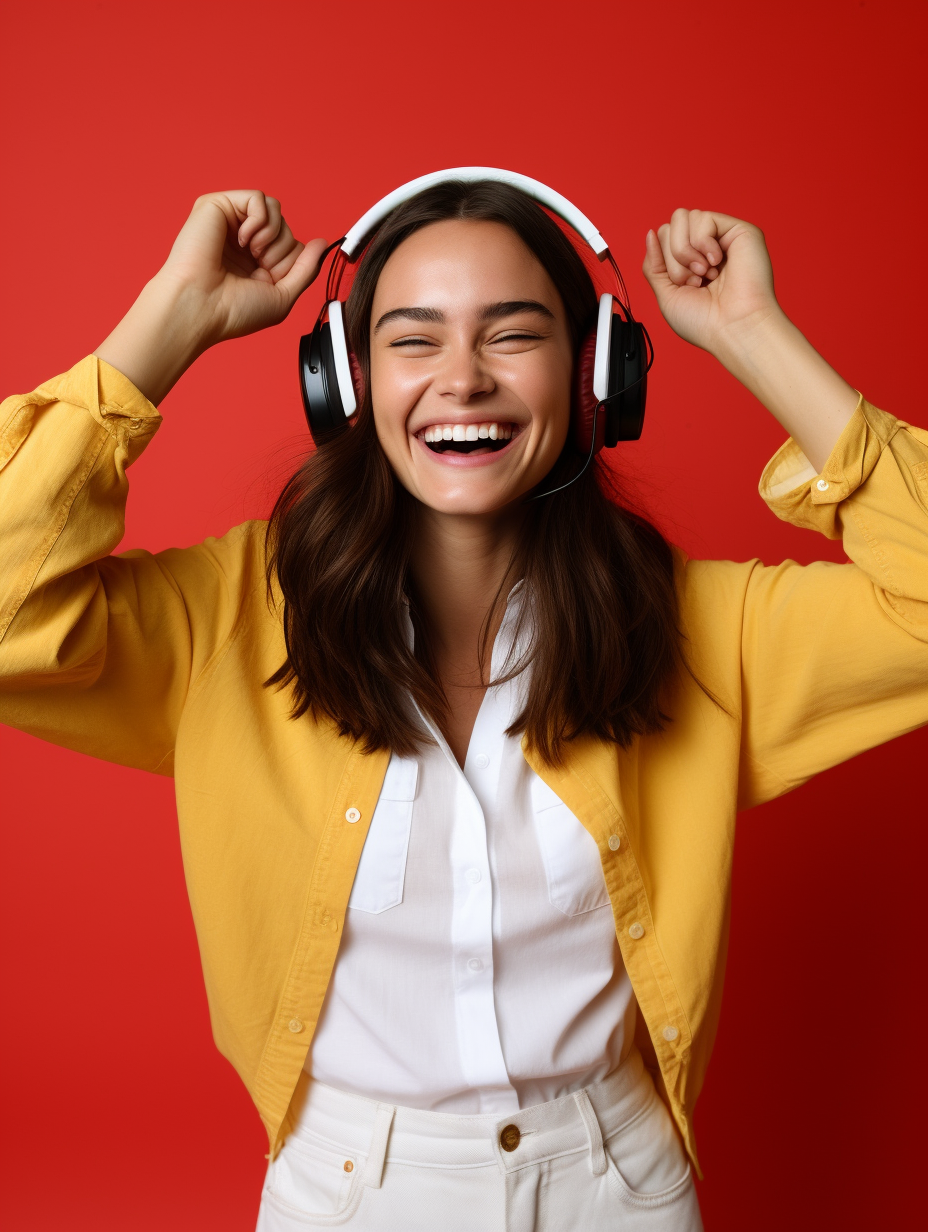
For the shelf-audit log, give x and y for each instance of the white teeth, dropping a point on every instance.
(466, 432)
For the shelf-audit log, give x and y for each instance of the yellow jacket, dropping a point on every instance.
(157, 661)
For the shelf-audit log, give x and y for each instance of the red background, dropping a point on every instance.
(804, 118)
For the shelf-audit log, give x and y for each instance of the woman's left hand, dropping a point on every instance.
(712, 277)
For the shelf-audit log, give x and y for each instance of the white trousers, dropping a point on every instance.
(606, 1157)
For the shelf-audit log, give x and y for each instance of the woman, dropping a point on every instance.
(457, 768)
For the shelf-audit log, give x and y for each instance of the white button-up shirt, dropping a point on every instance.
(479, 970)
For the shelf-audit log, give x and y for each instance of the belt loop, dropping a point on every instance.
(593, 1132)
(377, 1151)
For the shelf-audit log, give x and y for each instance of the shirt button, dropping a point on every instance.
(670, 1033)
(474, 964)
(473, 875)
(295, 1025)
(614, 842)
(510, 1137)
(352, 815)
(635, 931)
(822, 485)
(481, 761)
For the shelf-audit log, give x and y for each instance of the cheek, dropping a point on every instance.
(547, 393)
(392, 399)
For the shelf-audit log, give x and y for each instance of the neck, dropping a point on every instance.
(458, 565)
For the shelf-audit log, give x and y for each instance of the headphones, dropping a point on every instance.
(613, 363)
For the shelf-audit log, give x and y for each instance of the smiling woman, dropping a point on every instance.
(458, 768)
(465, 315)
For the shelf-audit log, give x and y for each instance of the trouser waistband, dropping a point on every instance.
(380, 1131)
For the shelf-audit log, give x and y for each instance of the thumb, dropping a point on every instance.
(654, 267)
(302, 273)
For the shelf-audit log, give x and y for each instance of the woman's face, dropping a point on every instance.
(471, 365)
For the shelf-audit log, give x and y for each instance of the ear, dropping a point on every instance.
(584, 400)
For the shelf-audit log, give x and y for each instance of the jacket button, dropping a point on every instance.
(510, 1137)
(295, 1025)
(635, 931)
(352, 815)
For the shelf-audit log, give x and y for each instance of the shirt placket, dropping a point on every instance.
(480, 1049)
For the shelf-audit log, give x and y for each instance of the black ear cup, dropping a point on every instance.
(628, 382)
(322, 402)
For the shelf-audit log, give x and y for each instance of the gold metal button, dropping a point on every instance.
(349, 1166)
(510, 1137)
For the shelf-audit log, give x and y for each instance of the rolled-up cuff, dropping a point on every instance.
(97, 387)
(799, 494)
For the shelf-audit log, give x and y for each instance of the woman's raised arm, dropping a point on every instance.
(234, 268)
(98, 652)
(713, 281)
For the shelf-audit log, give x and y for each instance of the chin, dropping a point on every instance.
(467, 504)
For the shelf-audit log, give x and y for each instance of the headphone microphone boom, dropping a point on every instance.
(611, 376)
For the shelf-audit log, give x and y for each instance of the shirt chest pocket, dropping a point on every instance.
(569, 854)
(378, 883)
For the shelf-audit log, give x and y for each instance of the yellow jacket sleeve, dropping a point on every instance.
(98, 652)
(834, 657)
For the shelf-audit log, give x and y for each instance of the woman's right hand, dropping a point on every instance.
(234, 268)
(237, 254)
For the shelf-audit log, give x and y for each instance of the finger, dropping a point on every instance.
(271, 229)
(680, 246)
(679, 274)
(284, 264)
(304, 270)
(255, 210)
(703, 237)
(277, 250)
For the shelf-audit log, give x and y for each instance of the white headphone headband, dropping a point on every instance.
(356, 237)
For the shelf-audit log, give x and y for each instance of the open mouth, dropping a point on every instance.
(468, 438)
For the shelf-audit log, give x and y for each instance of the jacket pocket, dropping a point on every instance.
(569, 854)
(378, 883)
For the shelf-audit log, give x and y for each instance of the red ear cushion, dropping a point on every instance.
(357, 376)
(584, 400)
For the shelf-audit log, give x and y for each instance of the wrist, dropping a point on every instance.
(740, 345)
(160, 336)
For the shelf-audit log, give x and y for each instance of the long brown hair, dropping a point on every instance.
(604, 640)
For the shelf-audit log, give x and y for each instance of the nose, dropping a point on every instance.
(463, 375)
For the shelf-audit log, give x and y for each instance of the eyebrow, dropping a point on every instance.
(489, 312)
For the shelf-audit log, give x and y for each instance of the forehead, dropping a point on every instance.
(459, 263)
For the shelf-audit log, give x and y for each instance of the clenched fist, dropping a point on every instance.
(238, 254)
(711, 274)
(235, 268)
